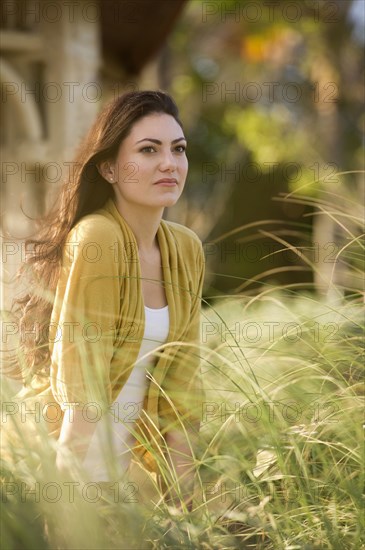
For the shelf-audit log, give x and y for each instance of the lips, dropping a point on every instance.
(167, 181)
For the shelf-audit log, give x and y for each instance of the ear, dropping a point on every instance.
(106, 170)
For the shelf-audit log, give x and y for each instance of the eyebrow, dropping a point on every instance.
(158, 142)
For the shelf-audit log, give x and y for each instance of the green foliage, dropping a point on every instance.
(271, 97)
(279, 463)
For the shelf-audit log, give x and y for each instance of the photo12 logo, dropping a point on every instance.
(253, 92)
(52, 492)
(269, 11)
(69, 11)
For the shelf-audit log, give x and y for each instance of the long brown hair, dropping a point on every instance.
(84, 192)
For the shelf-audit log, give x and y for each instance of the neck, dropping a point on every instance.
(143, 221)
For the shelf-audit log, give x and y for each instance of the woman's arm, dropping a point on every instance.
(76, 434)
(184, 385)
(83, 325)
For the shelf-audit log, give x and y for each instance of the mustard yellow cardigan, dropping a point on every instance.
(97, 326)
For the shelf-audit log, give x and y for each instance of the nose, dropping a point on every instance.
(168, 161)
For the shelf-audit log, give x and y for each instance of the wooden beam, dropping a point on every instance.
(18, 41)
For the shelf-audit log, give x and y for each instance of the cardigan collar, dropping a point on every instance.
(169, 256)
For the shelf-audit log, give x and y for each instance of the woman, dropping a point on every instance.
(125, 288)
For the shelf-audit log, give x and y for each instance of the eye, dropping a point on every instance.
(143, 150)
(148, 148)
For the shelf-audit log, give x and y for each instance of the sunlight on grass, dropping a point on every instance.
(279, 461)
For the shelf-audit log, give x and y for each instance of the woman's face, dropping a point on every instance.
(154, 150)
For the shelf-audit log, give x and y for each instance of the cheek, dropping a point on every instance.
(184, 165)
(131, 171)
(123, 168)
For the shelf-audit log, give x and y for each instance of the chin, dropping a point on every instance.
(167, 201)
(170, 202)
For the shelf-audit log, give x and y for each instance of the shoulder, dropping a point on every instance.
(184, 235)
(92, 241)
(94, 227)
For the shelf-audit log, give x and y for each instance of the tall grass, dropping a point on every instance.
(279, 464)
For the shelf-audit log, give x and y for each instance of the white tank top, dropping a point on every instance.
(126, 408)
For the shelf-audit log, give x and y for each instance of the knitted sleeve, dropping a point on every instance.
(85, 316)
(182, 383)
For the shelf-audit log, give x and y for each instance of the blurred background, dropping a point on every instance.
(270, 94)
